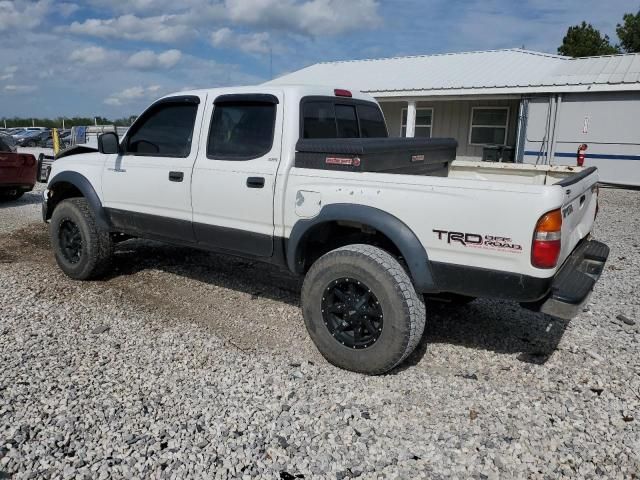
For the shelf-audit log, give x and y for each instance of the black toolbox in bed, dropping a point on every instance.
(409, 156)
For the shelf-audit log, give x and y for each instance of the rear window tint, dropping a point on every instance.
(319, 120)
(241, 131)
(329, 119)
(347, 121)
(371, 122)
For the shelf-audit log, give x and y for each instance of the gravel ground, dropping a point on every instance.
(184, 364)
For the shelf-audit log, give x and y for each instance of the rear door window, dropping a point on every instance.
(241, 130)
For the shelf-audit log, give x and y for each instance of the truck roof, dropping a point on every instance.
(289, 91)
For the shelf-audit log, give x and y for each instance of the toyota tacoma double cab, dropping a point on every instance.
(306, 178)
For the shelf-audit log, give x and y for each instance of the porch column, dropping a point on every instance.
(411, 119)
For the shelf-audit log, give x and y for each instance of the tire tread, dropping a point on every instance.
(413, 302)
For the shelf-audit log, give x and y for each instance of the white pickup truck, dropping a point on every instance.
(305, 178)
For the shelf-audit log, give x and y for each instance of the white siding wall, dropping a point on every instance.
(453, 119)
(607, 122)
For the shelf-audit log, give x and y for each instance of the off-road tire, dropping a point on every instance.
(97, 247)
(403, 309)
(10, 194)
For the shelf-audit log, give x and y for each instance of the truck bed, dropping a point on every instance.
(520, 173)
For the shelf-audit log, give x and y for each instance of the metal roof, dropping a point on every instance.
(609, 70)
(495, 71)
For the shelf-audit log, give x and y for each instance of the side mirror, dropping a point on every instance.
(109, 143)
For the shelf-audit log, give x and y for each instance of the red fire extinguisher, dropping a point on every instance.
(581, 154)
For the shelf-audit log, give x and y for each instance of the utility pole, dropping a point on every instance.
(63, 123)
(33, 122)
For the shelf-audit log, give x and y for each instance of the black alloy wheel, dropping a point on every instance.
(352, 313)
(70, 241)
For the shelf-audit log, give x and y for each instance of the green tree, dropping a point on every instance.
(586, 41)
(629, 33)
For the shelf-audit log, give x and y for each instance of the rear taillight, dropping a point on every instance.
(547, 240)
(27, 160)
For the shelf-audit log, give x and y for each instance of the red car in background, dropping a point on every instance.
(17, 172)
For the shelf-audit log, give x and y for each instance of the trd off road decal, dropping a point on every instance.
(475, 240)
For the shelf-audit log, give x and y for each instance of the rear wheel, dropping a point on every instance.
(81, 249)
(361, 309)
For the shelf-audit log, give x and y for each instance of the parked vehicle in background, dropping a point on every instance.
(65, 139)
(88, 136)
(79, 140)
(34, 138)
(19, 132)
(7, 143)
(17, 174)
(304, 177)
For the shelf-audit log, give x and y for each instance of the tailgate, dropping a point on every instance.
(17, 168)
(578, 209)
(12, 160)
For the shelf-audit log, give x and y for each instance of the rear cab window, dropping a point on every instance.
(333, 117)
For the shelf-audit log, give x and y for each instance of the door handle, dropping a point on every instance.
(255, 182)
(176, 176)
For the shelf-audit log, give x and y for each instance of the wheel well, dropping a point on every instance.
(324, 237)
(61, 191)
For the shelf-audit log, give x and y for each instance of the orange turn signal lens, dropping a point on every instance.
(550, 222)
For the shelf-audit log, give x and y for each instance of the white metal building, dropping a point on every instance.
(540, 105)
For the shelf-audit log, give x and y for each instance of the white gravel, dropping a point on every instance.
(190, 365)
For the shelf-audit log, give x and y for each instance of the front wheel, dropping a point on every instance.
(81, 249)
(361, 309)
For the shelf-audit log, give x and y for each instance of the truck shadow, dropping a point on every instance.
(234, 273)
(29, 198)
(491, 325)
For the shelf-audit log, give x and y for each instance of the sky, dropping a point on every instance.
(113, 57)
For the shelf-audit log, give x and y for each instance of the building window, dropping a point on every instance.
(424, 122)
(489, 125)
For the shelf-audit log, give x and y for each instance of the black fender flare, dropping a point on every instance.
(397, 231)
(88, 192)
